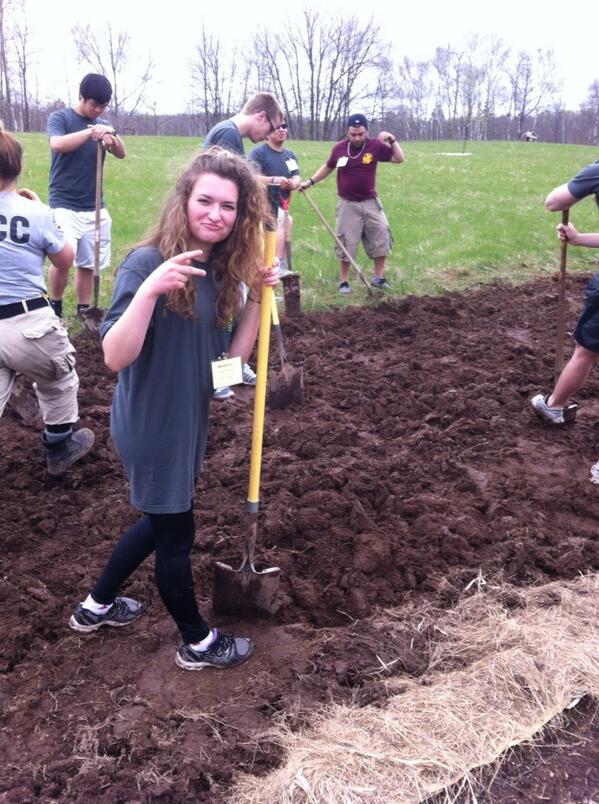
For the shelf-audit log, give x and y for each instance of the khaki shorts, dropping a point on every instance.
(37, 345)
(366, 222)
(79, 229)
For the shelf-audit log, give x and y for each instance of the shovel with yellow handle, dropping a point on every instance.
(247, 590)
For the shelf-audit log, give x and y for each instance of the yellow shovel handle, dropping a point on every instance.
(261, 378)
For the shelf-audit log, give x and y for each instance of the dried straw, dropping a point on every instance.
(497, 676)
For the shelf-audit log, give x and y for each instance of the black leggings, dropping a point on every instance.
(170, 537)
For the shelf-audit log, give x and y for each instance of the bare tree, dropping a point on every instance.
(590, 109)
(532, 81)
(321, 68)
(110, 54)
(19, 35)
(5, 77)
(414, 88)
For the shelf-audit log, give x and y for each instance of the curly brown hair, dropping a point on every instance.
(237, 258)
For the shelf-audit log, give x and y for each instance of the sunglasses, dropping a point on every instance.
(284, 126)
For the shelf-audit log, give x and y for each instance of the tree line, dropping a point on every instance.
(322, 68)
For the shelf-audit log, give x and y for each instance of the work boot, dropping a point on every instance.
(60, 455)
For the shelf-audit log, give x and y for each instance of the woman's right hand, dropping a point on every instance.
(173, 273)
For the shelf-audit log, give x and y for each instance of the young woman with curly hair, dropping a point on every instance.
(174, 296)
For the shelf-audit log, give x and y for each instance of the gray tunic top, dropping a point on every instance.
(159, 419)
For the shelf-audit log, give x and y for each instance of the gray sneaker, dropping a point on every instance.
(123, 611)
(223, 393)
(553, 415)
(344, 287)
(248, 375)
(381, 283)
(225, 651)
(61, 455)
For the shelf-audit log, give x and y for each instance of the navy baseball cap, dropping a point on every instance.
(357, 120)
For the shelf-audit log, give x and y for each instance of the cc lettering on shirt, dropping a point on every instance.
(16, 229)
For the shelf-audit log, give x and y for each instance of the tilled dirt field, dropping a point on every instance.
(413, 465)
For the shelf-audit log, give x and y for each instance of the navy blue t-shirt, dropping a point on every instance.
(73, 174)
(275, 163)
(586, 182)
(226, 135)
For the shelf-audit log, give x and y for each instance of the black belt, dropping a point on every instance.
(20, 307)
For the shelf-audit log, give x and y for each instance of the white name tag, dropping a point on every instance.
(342, 161)
(226, 372)
(291, 165)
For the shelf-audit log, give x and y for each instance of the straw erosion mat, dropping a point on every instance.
(411, 501)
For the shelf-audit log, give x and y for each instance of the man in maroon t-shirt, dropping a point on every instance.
(360, 214)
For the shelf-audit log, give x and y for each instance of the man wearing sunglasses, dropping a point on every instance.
(281, 174)
(259, 117)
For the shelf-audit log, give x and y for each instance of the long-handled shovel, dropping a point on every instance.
(340, 245)
(285, 387)
(94, 315)
(246, 590)
(285, 208)
(561, 304)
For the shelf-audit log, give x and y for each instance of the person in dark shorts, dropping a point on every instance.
(173, 296)
(554, 407)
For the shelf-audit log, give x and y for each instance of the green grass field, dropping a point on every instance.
(457, 220)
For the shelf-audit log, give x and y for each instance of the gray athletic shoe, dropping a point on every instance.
(344, 287)
(553, 415)
(123, 611)
(248, 375)
(223, 393)
(63, 454)
(381, 283)
(225, 651)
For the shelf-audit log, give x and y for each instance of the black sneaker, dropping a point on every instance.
(225, 651)
(123, 611)
(61, 455)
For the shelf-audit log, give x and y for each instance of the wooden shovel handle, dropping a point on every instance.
(561, 304)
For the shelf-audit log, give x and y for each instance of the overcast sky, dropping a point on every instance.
(415, 28)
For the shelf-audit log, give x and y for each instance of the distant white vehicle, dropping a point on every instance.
(530, 136)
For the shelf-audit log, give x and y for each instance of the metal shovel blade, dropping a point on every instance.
(245, 590)
(92, 318)
(285, 387)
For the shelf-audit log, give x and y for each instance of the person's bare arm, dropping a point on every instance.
(63, 259)
(320, 174)
(397, 155)
(560, 199)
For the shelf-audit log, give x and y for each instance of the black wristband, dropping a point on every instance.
(311, 182)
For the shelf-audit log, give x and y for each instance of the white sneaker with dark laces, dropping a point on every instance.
(553, 415)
